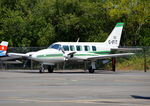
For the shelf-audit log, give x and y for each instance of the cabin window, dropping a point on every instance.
(55, 46)
(86, 48)
(72, 48)
(79, 48)
(66, 48)
(94, 48)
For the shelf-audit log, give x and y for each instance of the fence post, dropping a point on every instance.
(1, 62)
(145, 65)
(31, 65)
(114, 64)
(85, 65)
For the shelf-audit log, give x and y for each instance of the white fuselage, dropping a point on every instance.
(54, 53)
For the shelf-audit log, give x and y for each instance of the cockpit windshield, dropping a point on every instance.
(55, 46)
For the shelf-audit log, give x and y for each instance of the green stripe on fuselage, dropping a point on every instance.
(95, 53)
(101, 52)
(50, 55)
(85, 54)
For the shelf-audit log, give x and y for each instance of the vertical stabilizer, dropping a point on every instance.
(113, 39)
(3, 48)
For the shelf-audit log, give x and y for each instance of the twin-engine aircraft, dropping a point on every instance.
(83, 51)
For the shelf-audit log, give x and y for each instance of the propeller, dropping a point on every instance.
(67, 55)
(106, 61)
(25, 63)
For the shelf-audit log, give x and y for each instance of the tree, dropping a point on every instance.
(42, 22)
(134, 13)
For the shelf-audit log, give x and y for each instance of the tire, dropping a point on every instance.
(91, 70)
(50, 69)
(41, 70)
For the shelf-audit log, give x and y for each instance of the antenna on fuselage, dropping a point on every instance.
(78, 39)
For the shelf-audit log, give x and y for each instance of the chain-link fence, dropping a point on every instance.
(139, 61)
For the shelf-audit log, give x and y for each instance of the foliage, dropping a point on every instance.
(133, 63)
(42, 22)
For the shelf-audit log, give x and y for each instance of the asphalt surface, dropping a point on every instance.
(76, 88)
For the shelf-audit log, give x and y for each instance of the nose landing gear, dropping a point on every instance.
(50, 69)
(41, 69)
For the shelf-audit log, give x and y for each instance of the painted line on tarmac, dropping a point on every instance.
(93, 101)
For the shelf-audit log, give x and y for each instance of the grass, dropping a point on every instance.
(133, 63)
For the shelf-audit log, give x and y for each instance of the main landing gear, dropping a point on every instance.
(92, 68)
(50, 69)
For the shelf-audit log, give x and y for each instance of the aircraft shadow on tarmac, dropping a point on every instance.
(62, 72)
(140, 97)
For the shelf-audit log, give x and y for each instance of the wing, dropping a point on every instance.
(93, 56)
(12, 56)
(17, 54)
(127, 49)
(20, 54)
(109, 56)
(9, 58)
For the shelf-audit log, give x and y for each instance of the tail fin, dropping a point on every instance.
(3, 48)
(113, 39)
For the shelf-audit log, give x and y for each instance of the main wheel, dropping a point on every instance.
(50, 69)
(41, 69)
(91, 70)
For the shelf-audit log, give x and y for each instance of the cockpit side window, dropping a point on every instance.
(55, 46)
(66, 48)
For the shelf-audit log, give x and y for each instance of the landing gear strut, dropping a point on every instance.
(41, 69)
(50, 69)
(92, 67)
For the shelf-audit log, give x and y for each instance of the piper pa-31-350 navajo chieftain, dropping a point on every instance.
(75, 51)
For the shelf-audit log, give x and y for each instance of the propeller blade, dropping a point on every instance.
(25, 63)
